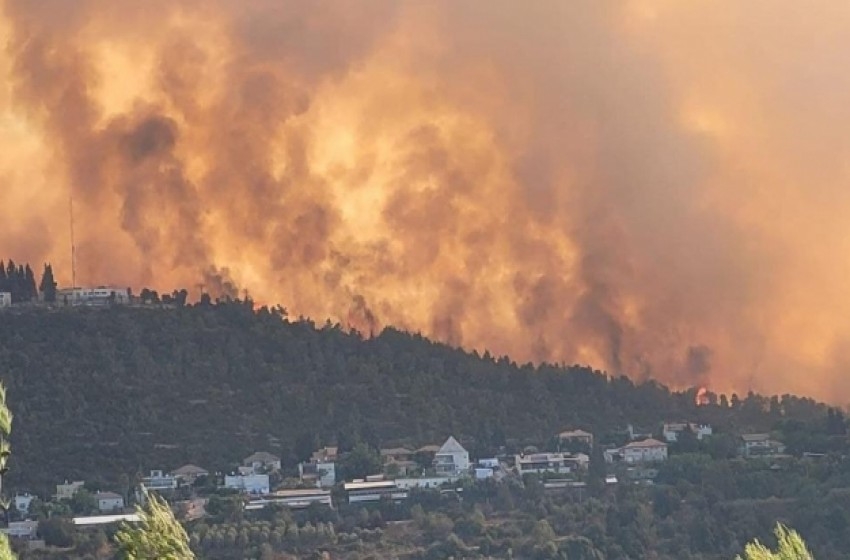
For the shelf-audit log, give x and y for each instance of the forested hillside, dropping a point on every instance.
(110, 393)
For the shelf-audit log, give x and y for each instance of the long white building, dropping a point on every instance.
(102, 295)
(374, 491)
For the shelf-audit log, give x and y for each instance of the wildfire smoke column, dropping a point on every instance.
(652, 187)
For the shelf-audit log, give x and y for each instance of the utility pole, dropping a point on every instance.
(73, 245)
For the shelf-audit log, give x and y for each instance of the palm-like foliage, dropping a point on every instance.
(158, 534)
(791, 547)
(5, 451)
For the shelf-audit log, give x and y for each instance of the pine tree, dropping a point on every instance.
(157, 536)
(48, 284)
(21, 284)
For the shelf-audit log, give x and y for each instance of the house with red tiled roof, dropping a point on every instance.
(645, 451)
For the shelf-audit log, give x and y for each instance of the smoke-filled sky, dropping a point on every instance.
(654, 187)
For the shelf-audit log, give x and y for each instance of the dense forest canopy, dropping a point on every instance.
(113, 392)
(107, 392)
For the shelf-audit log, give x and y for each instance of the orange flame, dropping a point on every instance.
(701, 398)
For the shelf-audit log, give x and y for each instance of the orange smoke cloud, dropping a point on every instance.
(653, 187)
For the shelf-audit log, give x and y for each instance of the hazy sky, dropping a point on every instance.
(658, 188)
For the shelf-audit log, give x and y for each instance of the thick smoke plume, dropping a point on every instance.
(659, 188)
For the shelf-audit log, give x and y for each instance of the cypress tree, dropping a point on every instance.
(48, 284)
(30, 291)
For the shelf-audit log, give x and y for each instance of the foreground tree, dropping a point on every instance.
(5, 451)
(790, 547)
(158, 535)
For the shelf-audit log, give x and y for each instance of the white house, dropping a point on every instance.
(644, 451)
(483, 473)
(489, 463)
(159, 481)
(559, 463)
(321, 472)
(109, 501)
(67, 490)
(452, 459)
(250, 483)
(261, 462)
(5, 299)
(672, 430)
(23, 501)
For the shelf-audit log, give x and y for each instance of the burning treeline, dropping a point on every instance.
(656, 188)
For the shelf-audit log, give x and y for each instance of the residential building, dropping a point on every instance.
(672, 430)
(428, 450)
(109, 501)
(374, 491)
(250, 483)
(576, 436)
(644, 451)
(488, 468)
(325, 455)
(23, 501)
(559, 463)
(67, 490)
(293, 499)
(451, 459)
(564, 484)
(262, 462)
(753, 445)
(5, 299)
(396, 455)
(322, 473)
(95, 520)
(489, 463)
(188, 474)
(423, 482)
(483, 473)
(21, 529)
(159, 481)
(399, 461)
(642, 473)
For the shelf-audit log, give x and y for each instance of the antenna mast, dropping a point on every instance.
(73, 245)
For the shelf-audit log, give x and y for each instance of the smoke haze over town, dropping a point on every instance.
(656, 188)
